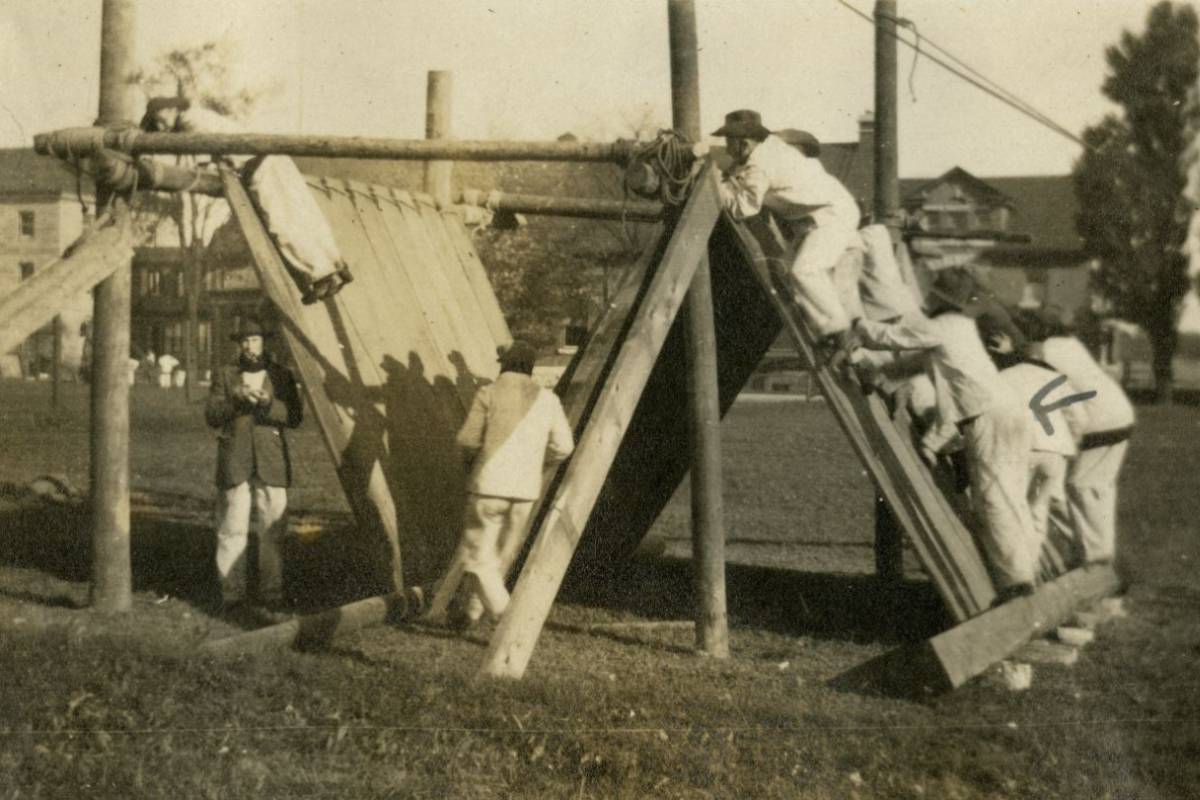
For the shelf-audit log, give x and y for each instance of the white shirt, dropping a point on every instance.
(1067, 423)
(513, 429)
(779, 177)
(167, 363)
(965, 380)
(888, 290)
(1110, 409)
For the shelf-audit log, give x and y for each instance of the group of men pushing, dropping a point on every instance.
(1042, 427)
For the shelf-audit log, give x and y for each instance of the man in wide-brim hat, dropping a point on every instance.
(768, 173)
(252, 402)
(976, 404)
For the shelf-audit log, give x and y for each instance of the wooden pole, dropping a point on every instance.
(87, 142)
(580, 207)
(889, 549)
(887, 169)
(112, 583)
(56, 362)
(439, 91)
(708, 532)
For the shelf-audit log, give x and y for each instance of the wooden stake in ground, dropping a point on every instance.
(708, 527)
(112, 576)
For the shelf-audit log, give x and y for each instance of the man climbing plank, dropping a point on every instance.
(769, 173)
(284, 201)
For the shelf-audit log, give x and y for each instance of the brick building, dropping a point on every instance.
(41, 213)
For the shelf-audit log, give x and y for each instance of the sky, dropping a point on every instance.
(533, 69)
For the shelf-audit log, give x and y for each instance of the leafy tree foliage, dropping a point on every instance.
(1129, 181)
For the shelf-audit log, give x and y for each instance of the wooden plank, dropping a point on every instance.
(103, 249)
(513, 641)
(463, 294)
(944, 546)
(473, 268)
(953, 657)
(361, 473)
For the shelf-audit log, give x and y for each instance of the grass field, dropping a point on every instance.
(123, 708)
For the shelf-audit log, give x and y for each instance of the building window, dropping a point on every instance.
(151, 283)
(27, 270)
(27, 228)
(173, 337)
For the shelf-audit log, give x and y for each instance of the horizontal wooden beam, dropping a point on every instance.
(983, 237)
(315, 630)
(953, 657)
(580, 207)
(85, 142)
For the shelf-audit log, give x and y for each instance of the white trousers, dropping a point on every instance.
(492, 537)
(294, 219)
(249, 505)
(1047, 487)
(813, 268)
(998, 444)
(1092, 499)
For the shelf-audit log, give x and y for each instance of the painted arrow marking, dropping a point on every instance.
(1042, 412)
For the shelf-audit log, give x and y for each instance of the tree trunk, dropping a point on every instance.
(193, 284)
(1163, 340)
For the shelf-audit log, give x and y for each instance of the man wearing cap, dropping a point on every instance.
(296, 224)
(769, 173)
(251, 403)
(514, 429)
(972, 401)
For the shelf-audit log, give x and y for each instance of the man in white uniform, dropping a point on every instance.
(513, 430)
(769, 173)
(1092, 477)
(974, 402)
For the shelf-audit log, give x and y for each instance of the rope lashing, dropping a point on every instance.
(670, 158)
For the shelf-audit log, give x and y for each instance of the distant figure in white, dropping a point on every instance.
(166, 369)
(811, 204)
(514, 429)
(292, 216)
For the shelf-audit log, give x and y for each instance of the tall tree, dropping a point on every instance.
(1129, 182)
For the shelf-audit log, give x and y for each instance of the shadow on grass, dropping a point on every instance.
(172, 551)
(827, 606)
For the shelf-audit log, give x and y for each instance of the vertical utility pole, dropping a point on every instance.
(889, 552)
(111, 572)
(439, 90)
(708, 530)
(887, 159)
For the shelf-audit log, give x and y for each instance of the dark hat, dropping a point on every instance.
(803, 141)
(957, 288)
(156, 104)
(249, 327)
(743, 124)
(517, 357)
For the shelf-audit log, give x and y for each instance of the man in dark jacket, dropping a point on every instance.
(251, 403)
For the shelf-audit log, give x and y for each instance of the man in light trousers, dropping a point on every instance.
(251, 403)
(769, 173)
(514, 429)
(975, 403)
